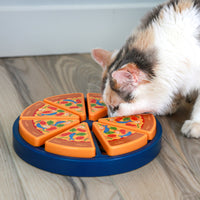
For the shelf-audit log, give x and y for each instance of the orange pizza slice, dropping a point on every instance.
(96, 107)
(116, 140)
(45, 111)
(144, 123)
(37, 131)
(73, 102)
(75, 142)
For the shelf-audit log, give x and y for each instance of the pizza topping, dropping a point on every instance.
(57, 118)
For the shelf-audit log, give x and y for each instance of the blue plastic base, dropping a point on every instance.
(100, 165)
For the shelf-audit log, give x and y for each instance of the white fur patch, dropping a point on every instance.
(177, 43)
(191, 129)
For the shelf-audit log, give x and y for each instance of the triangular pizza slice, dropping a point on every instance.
(37, 131)
(96, 107)
(116, 140)
(144, 123)
(74, 142)
(73, 102)
(45, 111)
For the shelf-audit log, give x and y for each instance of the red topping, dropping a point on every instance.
(73, 107)
(99, 106)
(93, 101)
(111, 135)
(59, 114)
(51, 128)
(134, 118)
(52, 108)
(130, 124)
(46, 112)
(118, 118)
(42, 122)
(65, 134)
(79, 138)
(81, 130)
(122, 131)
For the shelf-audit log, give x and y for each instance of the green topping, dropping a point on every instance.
(126, 118)
(50, 122)
(72, 130)
(79, 105)
(93, 104)
(60, 125)
(61, 111)
(68, 104)
(109, 132)
(113, 128)
(81, 134)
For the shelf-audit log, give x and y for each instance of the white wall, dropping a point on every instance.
(44, 27)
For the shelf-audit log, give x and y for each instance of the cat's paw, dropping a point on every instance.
(191, 129)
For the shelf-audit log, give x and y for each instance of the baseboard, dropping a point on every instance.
(61, 27)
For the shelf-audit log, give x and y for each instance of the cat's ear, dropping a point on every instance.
(129, 77)
(102, 57)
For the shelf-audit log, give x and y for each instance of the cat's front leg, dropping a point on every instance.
(191, 128)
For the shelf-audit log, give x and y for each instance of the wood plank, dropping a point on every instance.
(187, 148)
(166, 177)
(97, 188)
(31, 179)
(8, 172)
(9, 177)
(36, 183)
(174, 174)
(72, 73)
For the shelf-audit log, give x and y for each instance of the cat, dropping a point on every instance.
(158, 65)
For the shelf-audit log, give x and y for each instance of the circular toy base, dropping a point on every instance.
(100, 165)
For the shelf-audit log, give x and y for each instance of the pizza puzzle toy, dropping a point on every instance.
(70, 135)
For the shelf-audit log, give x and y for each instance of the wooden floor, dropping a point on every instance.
(174, 174)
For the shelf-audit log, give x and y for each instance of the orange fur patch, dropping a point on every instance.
(184, 4)
(104, 73)
(144, 39)
(111, 97)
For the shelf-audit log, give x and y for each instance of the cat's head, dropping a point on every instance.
(122, 76)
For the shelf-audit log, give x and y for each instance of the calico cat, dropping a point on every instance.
(158, 65)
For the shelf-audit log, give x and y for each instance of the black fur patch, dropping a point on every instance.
(144, 61)
(117, 61)
(123, 94)
(152, 16)
(141, 59)
(112, 110)
(103, 84)
(173, 3)
(197, 3)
